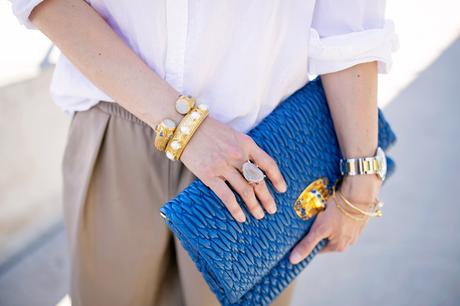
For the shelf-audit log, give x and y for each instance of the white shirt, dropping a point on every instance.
(241, 57)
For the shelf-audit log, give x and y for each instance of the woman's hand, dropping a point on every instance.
(341, 230)
(352, 99)
(216, 153)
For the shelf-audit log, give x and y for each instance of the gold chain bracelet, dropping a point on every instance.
(343, 210)
(377, 205)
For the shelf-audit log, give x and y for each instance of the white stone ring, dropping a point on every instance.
(252, 173)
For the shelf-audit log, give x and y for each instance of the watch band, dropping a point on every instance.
(365, 165)
(362, 165)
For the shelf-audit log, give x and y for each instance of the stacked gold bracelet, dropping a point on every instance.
(165, 129)
(185, 130)
(376, 207)
(163, 133)
(344, 211)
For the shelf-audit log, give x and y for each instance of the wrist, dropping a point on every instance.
(362, 189)
(163, 108)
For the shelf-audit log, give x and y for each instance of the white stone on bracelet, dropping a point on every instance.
(175, 145)
(185, 129)
(194, 115)
(203, 107)
(169, 155)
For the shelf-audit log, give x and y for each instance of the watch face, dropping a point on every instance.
(382, 163)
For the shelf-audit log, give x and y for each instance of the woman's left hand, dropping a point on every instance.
(331, 223)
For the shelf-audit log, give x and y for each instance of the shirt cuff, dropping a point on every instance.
(22, 10)
(335, 53)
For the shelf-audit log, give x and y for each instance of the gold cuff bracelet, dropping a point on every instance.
(184, 104)
(163, 133)
(185, 130)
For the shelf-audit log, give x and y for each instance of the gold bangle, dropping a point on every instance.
(343, 210)
(165, 129)
(184, 104)
(377, 205)
(163, 133)
(185, 130)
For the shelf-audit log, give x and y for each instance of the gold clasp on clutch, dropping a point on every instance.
(312, 200)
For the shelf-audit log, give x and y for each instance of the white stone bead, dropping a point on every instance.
(169, 123)
(185, 129)
(203, 107)
(182, 106)
(169, 155)
(175, 145)
(194, 115)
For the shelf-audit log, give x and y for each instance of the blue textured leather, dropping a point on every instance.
(247, 264)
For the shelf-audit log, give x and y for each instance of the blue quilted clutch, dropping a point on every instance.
(247, 264)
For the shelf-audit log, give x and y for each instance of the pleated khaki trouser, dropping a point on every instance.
(114, 183)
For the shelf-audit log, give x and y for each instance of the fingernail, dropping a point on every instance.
(283, 187)
(259, 213)
(240, 217)
(295, 257)
(271, 209)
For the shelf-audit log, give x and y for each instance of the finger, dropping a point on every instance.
(265, 197)
(306, 245)
(353, 241)
(226, 195)
(330, 247)
(246, 191)
(269, 166)
(363, 226)
(341, 246)
(336, 246)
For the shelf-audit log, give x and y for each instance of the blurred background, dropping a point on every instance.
(411, 256)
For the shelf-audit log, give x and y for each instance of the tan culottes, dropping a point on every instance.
(114, 183)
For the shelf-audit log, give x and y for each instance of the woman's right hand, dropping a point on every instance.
(216, 153)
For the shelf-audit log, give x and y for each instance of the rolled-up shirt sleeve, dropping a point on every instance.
(22, 10)
(346, 33)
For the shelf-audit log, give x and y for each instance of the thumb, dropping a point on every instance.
(306, 245)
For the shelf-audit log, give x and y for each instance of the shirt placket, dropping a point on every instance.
(176, 24)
